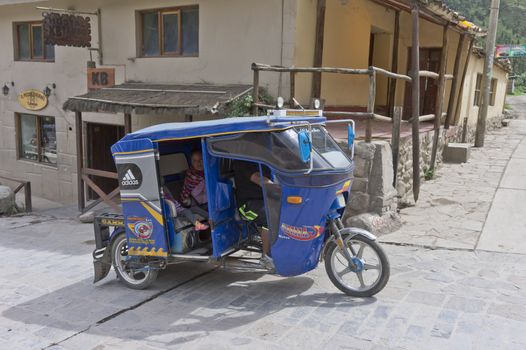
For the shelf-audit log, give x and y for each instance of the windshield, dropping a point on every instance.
(280, 149)
(324, 145)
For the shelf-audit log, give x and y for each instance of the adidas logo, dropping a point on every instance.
(129, 179)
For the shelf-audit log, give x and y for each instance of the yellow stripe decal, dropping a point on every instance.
(157, 216)
(135, 152)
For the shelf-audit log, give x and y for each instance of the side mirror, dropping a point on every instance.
(350, 136)
(305, 146)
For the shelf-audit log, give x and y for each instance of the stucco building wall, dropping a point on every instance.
(232, 35)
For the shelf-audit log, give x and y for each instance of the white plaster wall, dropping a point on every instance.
(467, 108)
(232, 35)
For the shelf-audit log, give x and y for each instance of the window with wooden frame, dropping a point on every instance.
(478, 96)
(478, 91)
(168, 32)
(36, 138)
(29, 43)
(493, 92)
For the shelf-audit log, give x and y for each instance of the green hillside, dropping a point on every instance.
(512, 24)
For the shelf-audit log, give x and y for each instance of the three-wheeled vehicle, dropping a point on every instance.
(303, 216)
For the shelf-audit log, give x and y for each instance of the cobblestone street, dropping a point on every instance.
(444, 291)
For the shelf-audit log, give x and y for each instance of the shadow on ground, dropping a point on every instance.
(193, 300)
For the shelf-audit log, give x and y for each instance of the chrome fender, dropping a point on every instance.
(352, 231)
(355, 231)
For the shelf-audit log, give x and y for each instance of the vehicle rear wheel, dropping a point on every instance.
(371, 271)
(132, 278)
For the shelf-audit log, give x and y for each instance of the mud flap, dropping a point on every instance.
(101, 263)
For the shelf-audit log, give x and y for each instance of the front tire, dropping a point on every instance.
(134, 279)
(372, 266)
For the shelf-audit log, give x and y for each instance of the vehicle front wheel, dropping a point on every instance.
(132, 278)
(371, 271)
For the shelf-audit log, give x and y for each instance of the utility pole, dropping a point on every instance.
(488, 72)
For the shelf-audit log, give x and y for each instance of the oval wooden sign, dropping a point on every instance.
(33, 100)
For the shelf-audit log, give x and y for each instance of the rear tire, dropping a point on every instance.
(378, 262)
(132, 279)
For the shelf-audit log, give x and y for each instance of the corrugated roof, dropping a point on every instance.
(142, 98)
(441, 9)
(505, 64)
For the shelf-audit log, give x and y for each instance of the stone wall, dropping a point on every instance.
(373, 199)
(404, 184)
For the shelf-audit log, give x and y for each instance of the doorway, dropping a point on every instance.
(100, 138)
(429, 61)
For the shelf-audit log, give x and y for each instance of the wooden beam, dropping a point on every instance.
(318, 47)
(454, 82)
(105, 197)
(292, 88)
(395, 140)
(80, 163)
(415, 97)
(100, 173)
(127, 123)
(394, 65)
(464, 73)
(255, 92)
(440, 95)
(98, 201)
(370, 105)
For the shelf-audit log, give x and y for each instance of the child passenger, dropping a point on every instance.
(194, 181)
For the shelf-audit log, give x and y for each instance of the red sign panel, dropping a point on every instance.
(99, 78)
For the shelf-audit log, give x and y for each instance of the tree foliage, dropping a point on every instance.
(511, 27)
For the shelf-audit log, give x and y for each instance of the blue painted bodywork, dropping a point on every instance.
(302, 231)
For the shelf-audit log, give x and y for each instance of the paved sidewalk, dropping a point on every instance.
(505, 228)
(453, 207)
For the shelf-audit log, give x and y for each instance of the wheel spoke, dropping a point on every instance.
(360, 251)
(371, 267)
(360, 278)
(344, 271)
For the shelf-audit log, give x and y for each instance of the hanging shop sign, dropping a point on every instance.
(33, 100)
(99, 78)
(511, 51)
(66, 30)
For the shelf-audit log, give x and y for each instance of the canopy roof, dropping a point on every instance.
(142, 139)
(174, 131)
(144, 98)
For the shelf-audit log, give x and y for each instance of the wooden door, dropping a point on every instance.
(100, 137)
(430, 61)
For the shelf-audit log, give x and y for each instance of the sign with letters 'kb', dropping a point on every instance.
(99, 78)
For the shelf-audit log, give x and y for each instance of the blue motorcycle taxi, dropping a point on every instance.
(311, 178)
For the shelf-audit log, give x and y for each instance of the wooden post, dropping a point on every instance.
(292, 88)
(27, 197)
(488, 73)
(394, 65)
(318, 48)
(452, 94)
(255, 92)
(80, 163)
(415, 98)
(465, 130)
(127, 123)
(440, 96)
(464, 73)
(370, 105)
(395, 140)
